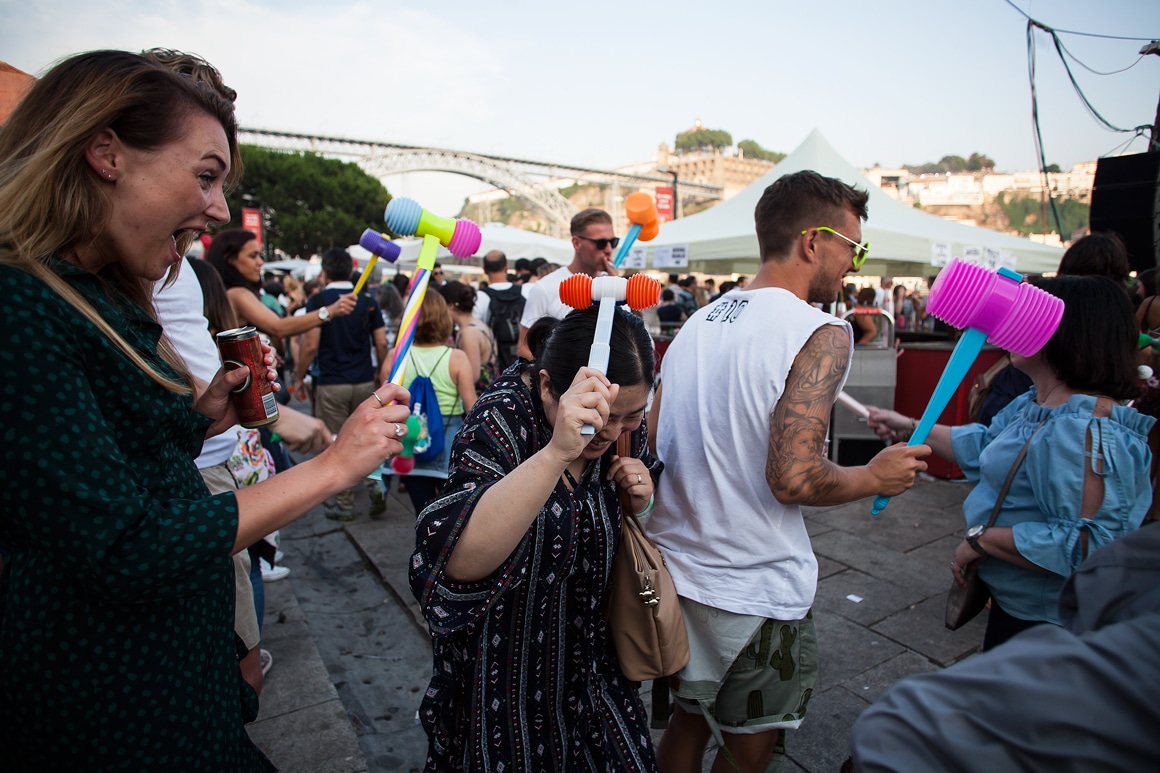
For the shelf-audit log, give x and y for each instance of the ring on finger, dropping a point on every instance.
(639, 479)
(379, 400)
(400, 430)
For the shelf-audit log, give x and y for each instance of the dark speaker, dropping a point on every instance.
(1124, 200)
(855, 452)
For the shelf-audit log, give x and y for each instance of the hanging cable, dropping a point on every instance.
(1123, 145)
(1035, 124)
(1083, 98)
(1040, 24)
(1076, 59)
(1064, 54)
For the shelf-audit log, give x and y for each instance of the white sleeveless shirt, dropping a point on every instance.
(727, 541)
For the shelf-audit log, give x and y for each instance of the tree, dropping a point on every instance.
(927, 168)
(703, 139)
(953, 164)
(751, 149)
(312, 202)
(1075, 215)
(978, 162)
(1052, 168)
(1025, 214)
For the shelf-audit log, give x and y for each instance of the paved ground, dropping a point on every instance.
(352, 656)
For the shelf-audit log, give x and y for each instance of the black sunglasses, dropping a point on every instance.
(602, 243)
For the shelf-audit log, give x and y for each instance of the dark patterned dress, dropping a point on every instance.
(117, 605)
(525, 676)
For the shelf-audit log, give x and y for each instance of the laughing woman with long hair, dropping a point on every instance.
(117, 648)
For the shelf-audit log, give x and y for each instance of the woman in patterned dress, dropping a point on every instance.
(117, 648)
(512, 563)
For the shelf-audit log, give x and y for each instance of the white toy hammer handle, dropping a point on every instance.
(598, 354)
(579, 291)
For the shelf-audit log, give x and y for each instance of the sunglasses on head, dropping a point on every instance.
(861, 250)
(602, 243)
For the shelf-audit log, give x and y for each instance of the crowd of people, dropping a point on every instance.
(130, 607)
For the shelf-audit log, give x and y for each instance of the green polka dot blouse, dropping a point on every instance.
(116, 605)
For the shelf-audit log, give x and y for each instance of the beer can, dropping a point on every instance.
(253, 400)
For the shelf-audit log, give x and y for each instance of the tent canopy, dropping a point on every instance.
(723, 240)
(296, 266)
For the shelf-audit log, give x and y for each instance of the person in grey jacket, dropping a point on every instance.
(1072, 698)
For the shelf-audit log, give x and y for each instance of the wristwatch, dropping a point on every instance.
(973, 535)
(324, 313)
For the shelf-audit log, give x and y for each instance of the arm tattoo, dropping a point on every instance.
(796, 468)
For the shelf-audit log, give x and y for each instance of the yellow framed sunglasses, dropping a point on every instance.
(861, 250)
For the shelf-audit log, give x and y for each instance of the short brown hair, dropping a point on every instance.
(798, 201)
(434, 325)
(586, 217)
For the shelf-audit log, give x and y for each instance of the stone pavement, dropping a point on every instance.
(879, 608)
(302, 725)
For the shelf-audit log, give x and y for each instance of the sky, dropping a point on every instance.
(602, 84)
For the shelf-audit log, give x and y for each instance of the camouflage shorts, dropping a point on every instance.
(768, 685)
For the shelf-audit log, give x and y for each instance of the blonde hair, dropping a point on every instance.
(52, 201)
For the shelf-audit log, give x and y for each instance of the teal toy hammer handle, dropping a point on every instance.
(962, 358)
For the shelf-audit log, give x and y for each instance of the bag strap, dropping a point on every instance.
(981, 389)
(1011, 475)
(1093, 476)
(486, 331)
(415, 365)
(624, 448)
(996, 368)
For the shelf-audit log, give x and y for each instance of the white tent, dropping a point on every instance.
(722, 240)
(513, 242)
(302, 269)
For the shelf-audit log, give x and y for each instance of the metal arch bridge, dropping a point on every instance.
(515, 176)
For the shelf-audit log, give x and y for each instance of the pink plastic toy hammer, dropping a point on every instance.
(999, 307)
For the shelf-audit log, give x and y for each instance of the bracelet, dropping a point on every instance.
(905, 434)
(647, 508)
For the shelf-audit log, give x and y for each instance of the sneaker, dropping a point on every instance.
(274, 573)
(266, 660)
(336, 513)
(278, 556)
(378, 501)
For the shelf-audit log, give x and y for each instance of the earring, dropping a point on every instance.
(107, 174)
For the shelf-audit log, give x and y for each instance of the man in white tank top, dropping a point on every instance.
(741, 427)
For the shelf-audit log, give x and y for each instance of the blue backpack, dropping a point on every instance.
(423, 396)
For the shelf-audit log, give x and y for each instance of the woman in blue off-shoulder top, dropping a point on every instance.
(1082, 378)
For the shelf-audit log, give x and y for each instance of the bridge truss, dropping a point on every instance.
(528, 181)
